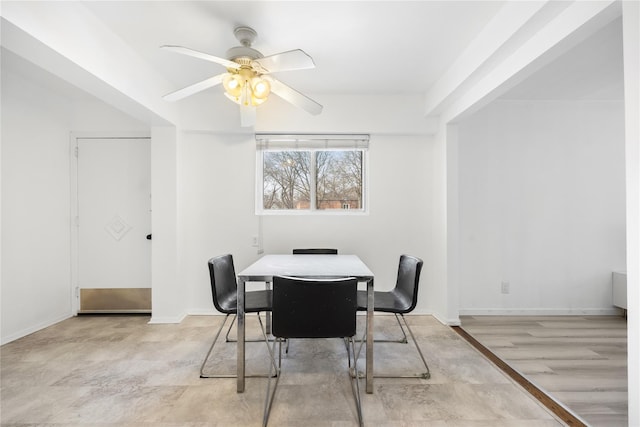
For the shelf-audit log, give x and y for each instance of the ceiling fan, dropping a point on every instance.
(247, 81)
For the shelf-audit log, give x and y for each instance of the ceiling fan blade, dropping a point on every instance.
(201, 55)
(286, 61)
(294, 97)
(194, 88)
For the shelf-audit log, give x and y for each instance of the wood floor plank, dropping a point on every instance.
(580, 361)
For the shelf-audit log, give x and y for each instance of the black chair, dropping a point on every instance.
(314, 308)
(402, 299)
(315, 251)
(225, 300)
(312, 251)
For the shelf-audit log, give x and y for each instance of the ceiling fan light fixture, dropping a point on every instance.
(260, 87)
(246, 87)
(244, 98)
(233, 83)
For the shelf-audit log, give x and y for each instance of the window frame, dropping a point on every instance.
(311, 143)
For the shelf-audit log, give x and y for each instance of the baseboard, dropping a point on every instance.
(204, 312)
(32, 329)
(447, 322)
(156, 320)
(540, 312)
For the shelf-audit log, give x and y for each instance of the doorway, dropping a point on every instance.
(111, 236)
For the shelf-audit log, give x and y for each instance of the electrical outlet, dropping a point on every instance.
(255, 242)
(505, 287)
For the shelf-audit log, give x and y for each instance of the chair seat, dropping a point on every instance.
(254, 301)
(388, 302)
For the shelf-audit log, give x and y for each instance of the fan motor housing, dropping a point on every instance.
(243, 52)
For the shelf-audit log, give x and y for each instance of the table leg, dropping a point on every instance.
(369, 361)
(240, 328)
(267, 326)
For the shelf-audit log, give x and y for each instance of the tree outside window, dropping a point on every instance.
(332, 179)
(286, 179)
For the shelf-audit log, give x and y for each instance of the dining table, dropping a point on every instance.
(316, 266)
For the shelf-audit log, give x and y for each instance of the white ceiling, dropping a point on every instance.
(358, 47)
(372, 47)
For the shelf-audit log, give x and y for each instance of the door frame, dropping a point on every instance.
(74, 290)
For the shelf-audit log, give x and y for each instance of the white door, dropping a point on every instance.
(114, 223)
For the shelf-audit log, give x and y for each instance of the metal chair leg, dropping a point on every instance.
(404, 335)
(424, 375)
(204, 362)
(267, 287)
(354, 379)
(278, 370)
(206, 359)
(227, 339)
(427, 374)
(403, 340)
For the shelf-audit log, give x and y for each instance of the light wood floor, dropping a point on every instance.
(580, 361)
(121, 371)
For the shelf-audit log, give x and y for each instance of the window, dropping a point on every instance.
(311, 173)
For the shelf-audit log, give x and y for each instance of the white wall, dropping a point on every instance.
(168, 299)
(542, 206)
(631, 32)
(440, 284)
(217, 185)
(36, 126)
(35, 208)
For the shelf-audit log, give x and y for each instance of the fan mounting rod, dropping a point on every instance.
(245, 36)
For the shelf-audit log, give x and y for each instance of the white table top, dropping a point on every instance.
(306, 266)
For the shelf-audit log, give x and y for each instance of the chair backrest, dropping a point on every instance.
(406, 288)
(223, 284)
(315, 251)
(314, 308)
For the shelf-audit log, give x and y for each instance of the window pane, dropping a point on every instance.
(286, 180)
(339, 179)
